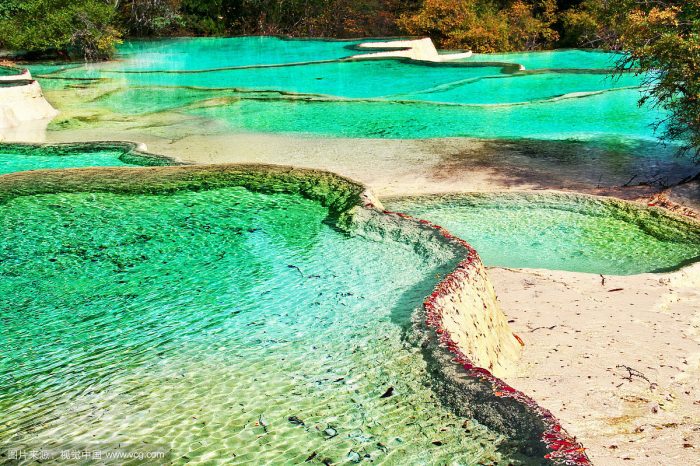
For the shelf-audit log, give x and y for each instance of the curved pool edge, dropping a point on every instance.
(465, 296)
(501, 406)
(19, 74)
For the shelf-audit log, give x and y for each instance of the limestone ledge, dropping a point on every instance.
(21, 75)
(22, 101)
(417, 49)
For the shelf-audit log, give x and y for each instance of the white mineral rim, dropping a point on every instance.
(22, 104)
(416, 49)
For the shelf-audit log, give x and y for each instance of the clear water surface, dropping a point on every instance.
(561, 233)
(268, 84)
(216, 326)
(18, 157)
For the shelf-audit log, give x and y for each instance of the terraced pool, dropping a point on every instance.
(20, 157)
(268, 84)
(9, 71)
(562, 232)
(220, 324)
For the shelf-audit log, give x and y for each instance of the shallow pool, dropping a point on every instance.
(553, 59)
(562, 232)
(20, 157)
(220, 326)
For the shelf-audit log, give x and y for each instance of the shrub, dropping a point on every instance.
(149, 17)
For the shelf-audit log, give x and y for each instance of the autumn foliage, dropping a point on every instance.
(485, 26)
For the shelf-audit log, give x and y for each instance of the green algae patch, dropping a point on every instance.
(562, 231)
(336, 193)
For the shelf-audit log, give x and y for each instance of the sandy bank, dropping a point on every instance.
(617, 361)
(393, 167)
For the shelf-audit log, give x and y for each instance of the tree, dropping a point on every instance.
(595, 23)
(149, 17)
(485, 25)
(83, 28)
(662, 40)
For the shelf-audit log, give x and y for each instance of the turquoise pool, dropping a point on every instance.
(552, 59)
(562, 232)
(216, 326)
(9, 71)
(268, 84)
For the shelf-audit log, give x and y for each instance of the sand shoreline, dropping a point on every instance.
(398, 167)
(615, 358)
(581, 333)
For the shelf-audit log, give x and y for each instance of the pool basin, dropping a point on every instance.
(197, 310)
(563, 231)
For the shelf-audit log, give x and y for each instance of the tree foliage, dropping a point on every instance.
(318, 18)
(661, 38)
(595, 23)
(485, 25)
(149, 17)
(75, 27)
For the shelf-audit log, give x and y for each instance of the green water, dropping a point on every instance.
(20, 82)
(312, 88)
(210, 325)
(18, 157)
(561, 232)
(583, 119)
(216, 52)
